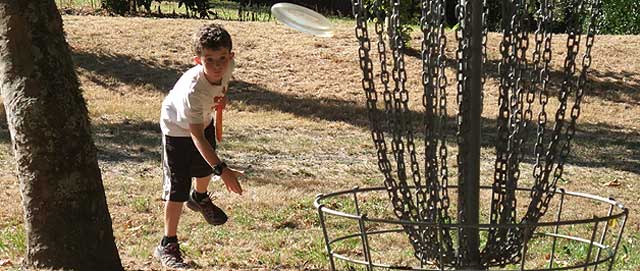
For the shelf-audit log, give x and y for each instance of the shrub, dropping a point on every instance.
(620, 17)
(120, 7)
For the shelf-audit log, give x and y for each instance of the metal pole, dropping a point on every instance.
(365, 242)
(470, 150)
(604, 233)
(615, 249)
(363, 231)
(593, 239)
(327, 242)
(525, 246)
(556, 228)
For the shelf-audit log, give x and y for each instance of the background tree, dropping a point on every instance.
(66, 216)
(621, 17)
(119, 7)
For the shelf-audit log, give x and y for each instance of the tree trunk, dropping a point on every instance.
(133, 4)
(66, 216)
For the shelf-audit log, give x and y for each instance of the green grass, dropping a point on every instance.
(95, 4)
(12, 241)
(225, 10)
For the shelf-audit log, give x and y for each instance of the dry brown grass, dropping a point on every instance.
(297, 124)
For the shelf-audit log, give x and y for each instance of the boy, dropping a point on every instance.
(189, 139)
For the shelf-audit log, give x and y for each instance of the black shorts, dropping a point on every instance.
(182, 161)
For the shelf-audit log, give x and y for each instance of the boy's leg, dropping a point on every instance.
(175, 164)
(172, 212)
(168, 252)
(176, 184)
(200, 201)
(202, 184)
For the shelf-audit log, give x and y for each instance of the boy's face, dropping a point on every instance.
(215, 62)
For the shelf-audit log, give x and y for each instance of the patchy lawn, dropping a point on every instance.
(298, 126)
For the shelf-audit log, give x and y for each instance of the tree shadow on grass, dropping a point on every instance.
(598, 145)
(161, 75)
(116, 142)
(620, 87)
(595, 145)
(128, 141)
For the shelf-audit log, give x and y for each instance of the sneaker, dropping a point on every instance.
(170, 256)
(212, 213)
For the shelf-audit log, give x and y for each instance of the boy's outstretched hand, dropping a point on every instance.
(230, 178)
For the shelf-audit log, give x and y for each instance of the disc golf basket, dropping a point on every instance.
(501, 226)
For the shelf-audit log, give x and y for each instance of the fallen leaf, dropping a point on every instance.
(5, 263)
(612, 223)
(613, 183)
(136, 228)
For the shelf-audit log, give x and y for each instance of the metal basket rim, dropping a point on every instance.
(610, 201)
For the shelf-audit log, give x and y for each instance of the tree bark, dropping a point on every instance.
(66, 216)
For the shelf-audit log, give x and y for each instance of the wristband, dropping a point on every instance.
(217, 169)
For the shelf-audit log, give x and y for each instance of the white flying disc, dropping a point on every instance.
(302, 19)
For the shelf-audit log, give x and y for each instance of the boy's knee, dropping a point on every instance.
(177, 189)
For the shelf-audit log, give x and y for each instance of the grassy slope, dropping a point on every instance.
(297, 125)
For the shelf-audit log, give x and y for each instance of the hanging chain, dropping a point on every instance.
(519, 49)
(429, 79)
(375, 118)
(519, 122)
(505, 67)
(543, 33)
(434, 82)
(428, 198)
(539, 173)
(441, 86)
(398, 191)
(423, 194)
(538, 210)
(557, 140)
(390, 182)
(463, 55)
(509, 123)
(400, 112)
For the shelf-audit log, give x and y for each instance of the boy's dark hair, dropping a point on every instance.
(212, 36)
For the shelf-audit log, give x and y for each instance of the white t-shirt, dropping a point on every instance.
(192, 100)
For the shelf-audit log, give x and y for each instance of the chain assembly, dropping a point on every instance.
(434, 100)
(524, 74)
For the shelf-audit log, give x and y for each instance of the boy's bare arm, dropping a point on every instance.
(229, 176)
(206, 150)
